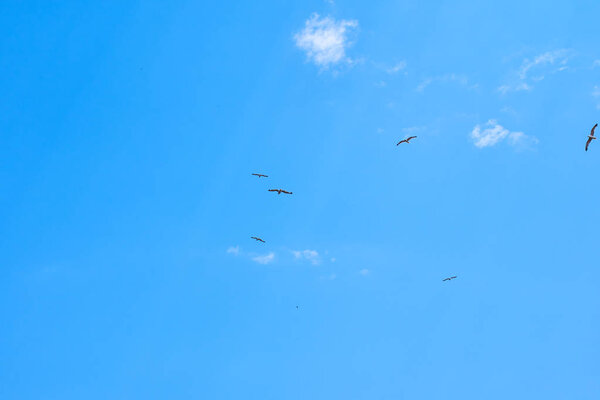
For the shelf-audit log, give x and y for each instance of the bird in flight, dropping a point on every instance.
(261, 175)
(407, 140)
(257, 239)
(296, 307)
(449, 279)
(279, 191)
(590, 137)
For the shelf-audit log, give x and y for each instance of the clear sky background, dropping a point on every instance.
(128, 133)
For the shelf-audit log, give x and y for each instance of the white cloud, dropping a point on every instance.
(596, 94)
(332, 259)
(325, 40)
(426, 82)
(309, 255)
(517, 87)
(266, 259)
(234, 250)
(508, 110)
(596, 64)
(412, 129)
(493, 133)
(540, 66)
(460, 79)
(364, 272)
(396, 68)
(329, 277)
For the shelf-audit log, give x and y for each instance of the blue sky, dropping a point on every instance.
(128, 134)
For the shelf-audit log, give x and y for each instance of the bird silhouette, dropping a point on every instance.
(590, 137)
(449, 279)
(279, 191)
(261, 175)
(407, 140)
(257, 239)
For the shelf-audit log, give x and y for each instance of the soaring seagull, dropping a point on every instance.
(261, 175)
(279, 191)
(407, 140)
(257, 239)
(449, 279)
(590, 137)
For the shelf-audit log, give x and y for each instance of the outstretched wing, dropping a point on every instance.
(402, 141)
(412, 137)
(588, 143)
(593, 129)
(286, 192)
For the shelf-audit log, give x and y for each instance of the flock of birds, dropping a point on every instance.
(407, 140)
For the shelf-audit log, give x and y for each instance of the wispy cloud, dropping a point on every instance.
(460, 79)
(266, 259)
(364, 272)
(325, 40)
(329, 277)
(309, 255)
(396, 67)
(536, 69)
(596, 95)
(413, 129)
(492, 133)
(508, 110)
(234, 250)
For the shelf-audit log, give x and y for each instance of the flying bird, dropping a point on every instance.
(261, 175)
(407, 140)
(257, 239)
(449, 279)
(279, 191)
(590, 137)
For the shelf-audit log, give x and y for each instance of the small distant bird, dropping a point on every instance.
(590, 137)
(261, 175)
(407, 140)
(279, 191)
(296, 307)
(257, 239)
(449, 279)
